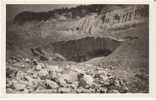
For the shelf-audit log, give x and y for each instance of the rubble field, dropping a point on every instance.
(36, 76)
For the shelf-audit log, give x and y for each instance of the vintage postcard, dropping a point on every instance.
(77, 47)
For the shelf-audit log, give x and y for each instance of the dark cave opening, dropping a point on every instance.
(85, 48)
(91, 54)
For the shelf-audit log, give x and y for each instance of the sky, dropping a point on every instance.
(12, 10)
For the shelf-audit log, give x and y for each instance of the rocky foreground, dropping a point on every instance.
(33, 76)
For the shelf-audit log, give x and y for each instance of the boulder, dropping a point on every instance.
(38, 67)
(43, 73)
(68, 77)
(53, 75)
(19, 86)
(51, 84)
(20, 75)
(9, 90)
(61, 81)
(85, 80)
(74, 85)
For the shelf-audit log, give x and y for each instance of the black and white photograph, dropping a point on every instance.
(77, 48)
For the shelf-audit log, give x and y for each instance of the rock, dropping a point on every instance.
(43, 73)
(74, 85)
(59, 57)
(102, 90)
(34, 61)
(106, 83)
(113, 91)
(26, 90)
(28, 78)
(9, 90)
(67, 78)
(83, 90)
(51, 84)
(46, 91)
(124, 89)
(61, 81)
(38, 67)
(53, 68)
(20, 75)
(27, 60)
(85, 80)
(19, 86)
(53, 75)
(117, 83)
(64, 90)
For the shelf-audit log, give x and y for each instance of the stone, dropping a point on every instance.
(124, 89)
(19, 86)
(28, 78)
(26, 90)
(113, 91)
(64, 90)
(83, 90)
(20, 75)
(85, 80)
(61, 81)
(117, 83)
(53, 68)
(67, 78)
(102, 89)
(9, 90)
(27, 60)
(43, 73)
(74, 85)
(51, 84)
(38, 67)
(53, 75)
(46, 91)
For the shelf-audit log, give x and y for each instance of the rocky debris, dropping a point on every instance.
(54, 68)
(19, 86)
(43, 74)
(64, 90)
(69, 78)
(113, 91)
(85, 80)
(38, 67)
(51, 84)
(58, 57)
(40, 53)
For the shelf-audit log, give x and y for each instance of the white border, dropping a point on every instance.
(3, 45)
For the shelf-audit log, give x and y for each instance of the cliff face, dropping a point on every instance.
(65, 27)
(113, 18)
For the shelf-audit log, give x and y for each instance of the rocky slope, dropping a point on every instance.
(104, 49)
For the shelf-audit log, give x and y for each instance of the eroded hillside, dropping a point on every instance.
(104, 49)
